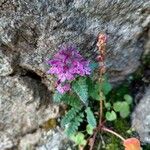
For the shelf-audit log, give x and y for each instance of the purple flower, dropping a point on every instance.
(67, 64)
(63, 88)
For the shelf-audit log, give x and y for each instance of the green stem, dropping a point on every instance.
(112, 132)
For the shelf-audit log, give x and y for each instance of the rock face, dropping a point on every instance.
(31, 31)
(141, 118)
(22, 108)
(34, 29)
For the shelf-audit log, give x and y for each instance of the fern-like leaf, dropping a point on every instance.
(90, 117)
(71, 114)
(57, 97)
(74, 124)
(71, 100)
(81, 89)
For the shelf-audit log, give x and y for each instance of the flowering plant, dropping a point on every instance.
(66, 65)
(79, 90)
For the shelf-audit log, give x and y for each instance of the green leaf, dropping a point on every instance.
(71, 100)
(71, 114)
(128, 98)
(79, 139)
(107, 105)
(106, 87)
(117, 106)
(125, 111)
(89, 129)
(94, 90)
(81, 89)
(111, 116)
(57, 97)
(72, 127)
(90, 117)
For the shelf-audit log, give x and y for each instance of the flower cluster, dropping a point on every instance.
(66, 65)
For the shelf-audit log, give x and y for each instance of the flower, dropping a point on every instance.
(132, 144)
(63, 88)
(67, 64)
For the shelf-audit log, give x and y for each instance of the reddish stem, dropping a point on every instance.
(93, 140)
(112, 132)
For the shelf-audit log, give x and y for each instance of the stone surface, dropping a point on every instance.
(141, 118)
(24, 106)
(5, 64)
(54, 140)
(35, 28)
(31, 31)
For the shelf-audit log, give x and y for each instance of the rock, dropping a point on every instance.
(30, 140)
(54, 140)
(24, 106)
(141, 118)
(35, 29)
(30, 33)
(6, 62)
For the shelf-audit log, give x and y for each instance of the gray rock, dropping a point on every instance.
(31, 31)
(141, 118)
(5, 64)
(24, 106)
(54, 140)
(36, 28)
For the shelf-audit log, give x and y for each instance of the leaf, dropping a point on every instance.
(90, 117)
(107, 105)
(71, 100)
(125, 111)
(111, 116)
(57, 97)
(106, 87)
(71, 114)
(132, 144)
(94, 90)
(89, 129)
(74, 124)
(81, 89)
(128, 98)
(79, 139)
(117, 106)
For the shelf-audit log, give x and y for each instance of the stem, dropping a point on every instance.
(92, 145)
(112, 132)
(101, 113)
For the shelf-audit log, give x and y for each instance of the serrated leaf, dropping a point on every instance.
(57, 97)
(111, 116)
(89, 129)
(74, 124)
(71, 100)
(117, 106)
(81, 89)
(128, 98)
(90, 117)
(71, 114)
